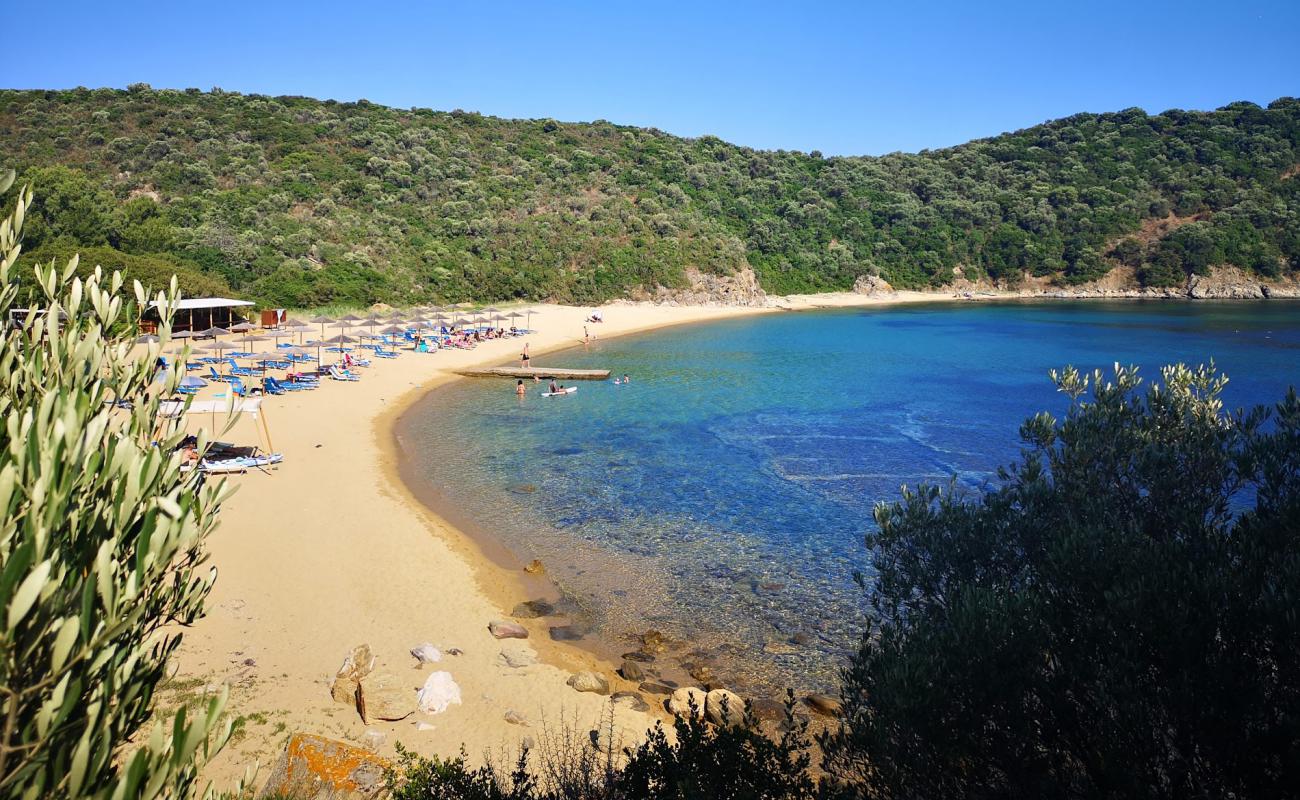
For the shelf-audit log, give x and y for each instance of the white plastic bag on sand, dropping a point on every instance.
(426, 653)
(439, 692)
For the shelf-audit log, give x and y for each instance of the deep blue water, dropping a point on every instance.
(722, 497)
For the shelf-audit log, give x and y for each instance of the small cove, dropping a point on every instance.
(722, 496)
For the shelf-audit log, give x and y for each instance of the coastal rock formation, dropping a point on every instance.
(314, 767)
(507, 630)
(439, 692)
(382, 695)
(724, 708)
(655, 687)
(589, 682)
(688, 702)
(872, 285)
(706, 289)
(356, 666)
(517, 655)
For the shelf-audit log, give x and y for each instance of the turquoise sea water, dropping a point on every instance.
(722, 497)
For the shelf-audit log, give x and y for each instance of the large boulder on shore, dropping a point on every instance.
(688, 702)
(724, 708)
(592, 682)
(313, 767)
(357, 665)
(383, 695)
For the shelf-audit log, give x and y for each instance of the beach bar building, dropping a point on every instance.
(196, 314)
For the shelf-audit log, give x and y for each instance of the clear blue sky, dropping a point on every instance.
(843, 78)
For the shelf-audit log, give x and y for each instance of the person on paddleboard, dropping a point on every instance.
(554, 388)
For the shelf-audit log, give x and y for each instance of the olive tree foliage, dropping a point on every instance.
(1117, 618)
(101, 549)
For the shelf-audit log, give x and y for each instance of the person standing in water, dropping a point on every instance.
(519, 388)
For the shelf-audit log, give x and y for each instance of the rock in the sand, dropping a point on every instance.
(507, 630)
(373, 740)
(688, 701)
(515, 718)
(425, 726)
(439, 692)
(383, 695)
(532, 609)
(631, 671)
(632, 700)
(517, 655)
(455, 651)
(655, 687)
(823, 704)
(589, 682)
(637, 655)
(724, 708)
(356, 666)
(426, 653)
(535, 567)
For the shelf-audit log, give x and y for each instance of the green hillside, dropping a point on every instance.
(301, 202)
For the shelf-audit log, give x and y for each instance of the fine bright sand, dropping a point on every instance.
(330, 550)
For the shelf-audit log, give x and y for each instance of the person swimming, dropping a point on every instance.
(626, 378)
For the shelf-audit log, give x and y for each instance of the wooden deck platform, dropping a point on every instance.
(536, 372)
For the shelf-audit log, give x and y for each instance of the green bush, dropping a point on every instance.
(1117, 619)
(101, 549)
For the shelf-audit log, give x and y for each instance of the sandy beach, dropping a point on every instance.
(330, 551)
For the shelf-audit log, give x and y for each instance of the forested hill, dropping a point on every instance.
(299, 202)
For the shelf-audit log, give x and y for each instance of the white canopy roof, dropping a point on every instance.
(174, 408)
(204, 302)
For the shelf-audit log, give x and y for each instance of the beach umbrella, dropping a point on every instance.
(242, 326)
(322, 320)
(531, 312)
(351, 318)
(248, 339)
(147, 338)
(293, 323)
(300, 330)
(212, 332)
(493, 310)
(192, 382)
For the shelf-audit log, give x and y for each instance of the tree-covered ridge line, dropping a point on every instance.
(300, 202)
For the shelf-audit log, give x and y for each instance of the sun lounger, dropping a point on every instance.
(343, 375)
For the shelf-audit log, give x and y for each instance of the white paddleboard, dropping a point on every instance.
(565, 390)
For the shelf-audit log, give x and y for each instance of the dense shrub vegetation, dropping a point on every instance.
(101, 548)
(301, 202)
(1117, 619)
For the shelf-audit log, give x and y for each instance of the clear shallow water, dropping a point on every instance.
(722, 497)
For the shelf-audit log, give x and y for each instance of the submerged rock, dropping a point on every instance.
(532, 609)
(535, 567)
(823, 704)
(356, 665)
(507, 630)
(565, 633)
(655, 687)
(592, 682)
